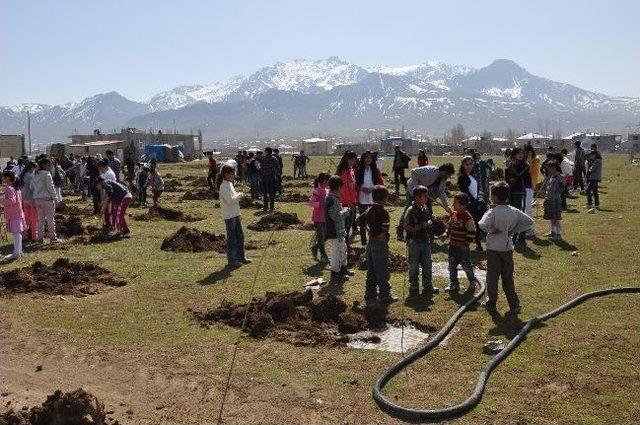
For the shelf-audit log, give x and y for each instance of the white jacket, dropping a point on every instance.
(42, 186)
(229, 200)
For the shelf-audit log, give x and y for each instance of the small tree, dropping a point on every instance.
(457, 134)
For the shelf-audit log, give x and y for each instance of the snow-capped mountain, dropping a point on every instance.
(330, 95)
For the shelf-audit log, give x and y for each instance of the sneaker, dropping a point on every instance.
(247, 261)
(588, 206)
(413, 293)
(234, 264)
(591, 211)
(452, 288)
(388, 299)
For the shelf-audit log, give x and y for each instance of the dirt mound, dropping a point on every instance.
(279, 220)
(193, 240)
(247, 202)
(73, 408)
(356, 258)
(197, 195)
(65, 208)
(198, 181)
(172, 185)
(162, 213)
(63, 277)
(69, 226)
(298, 317)
(293, 197)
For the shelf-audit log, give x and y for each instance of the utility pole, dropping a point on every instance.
(29, 130)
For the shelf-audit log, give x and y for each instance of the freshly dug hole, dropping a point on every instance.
(77, 407)
(63, 277)
(299, 318)
(69, 226)
(357, 258)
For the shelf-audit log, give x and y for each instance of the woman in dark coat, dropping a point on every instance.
(468, 183)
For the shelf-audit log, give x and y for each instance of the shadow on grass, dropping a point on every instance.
(540, 242)
(461, 297)
(218, 276)
(334, 287)
(420, 303)
(526, 251)
(508, 325)
(565, 246)
(315, 270)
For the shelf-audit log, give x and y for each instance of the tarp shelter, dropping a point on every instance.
(164, 153)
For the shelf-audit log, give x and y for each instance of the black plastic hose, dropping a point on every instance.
(459, 409)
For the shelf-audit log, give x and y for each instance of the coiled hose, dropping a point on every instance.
(459, 409)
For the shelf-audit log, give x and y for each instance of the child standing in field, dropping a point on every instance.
(461, 232)
(347, 170)
(553, 199)
(594, 176)
(500, 223)
(13, 214)
(378, 223)
(316, 201)
(417, 223)
(335, 219)
(157, 186)
(230, 210)
(28, 204)
(142, 180)
(519, 179)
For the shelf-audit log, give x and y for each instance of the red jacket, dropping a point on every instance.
(348, 192)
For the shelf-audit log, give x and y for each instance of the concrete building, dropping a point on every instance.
(316, 146)
(121, 148)
(410, 146)
(533, 139)
(192, 142)
(12, 145)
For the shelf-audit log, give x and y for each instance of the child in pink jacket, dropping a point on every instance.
(316, 201)
(13, 214)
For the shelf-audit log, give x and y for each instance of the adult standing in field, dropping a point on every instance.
(302, 160)
(400, 163)
(212, 170)
(348, 192)
(468, 184)
(276, 154)
(533, 162)
(44, 195)
(367, 177)
(93, 172)
(114, 163)
(239, 165)
(269, 173)
(519, 179)
(579, 163)
(434, 179)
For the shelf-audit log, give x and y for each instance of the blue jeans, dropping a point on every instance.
(419, 256)
(463, 257)
(378, 274)
(235, 240)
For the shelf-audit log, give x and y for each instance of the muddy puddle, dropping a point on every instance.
(389, 339)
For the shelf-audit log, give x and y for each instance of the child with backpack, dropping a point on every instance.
(13, 214)
(316, 201)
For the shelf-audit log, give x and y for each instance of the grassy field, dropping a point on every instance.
(140, 352)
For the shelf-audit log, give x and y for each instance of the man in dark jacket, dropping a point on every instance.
(400, 163)
(270, 173)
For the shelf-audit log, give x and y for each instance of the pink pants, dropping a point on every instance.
(31, 217)
(118, 217)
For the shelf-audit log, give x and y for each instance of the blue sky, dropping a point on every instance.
(63, 50)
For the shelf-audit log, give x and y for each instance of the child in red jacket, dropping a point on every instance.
(461, 233)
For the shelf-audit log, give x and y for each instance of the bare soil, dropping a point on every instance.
(193, 240)
(198, 194)
(172, 185)
(356, 258)
(73, 408)
(300, 318)
(279, 221)
(69, 226)
(293, 197)
(63, 277)
(163, 213)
